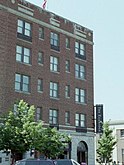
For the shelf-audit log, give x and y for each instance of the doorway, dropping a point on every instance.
(82, 152)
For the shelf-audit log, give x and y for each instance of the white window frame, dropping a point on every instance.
(54, 64)
(54, 39)
(67, 117)
(67, 66)
(40, 57)
(80, 120)
(54, 90)
(80, 50)
(24, 28)
(80, 71)
(53, 116)
(80, 95)
(67, 91)
(40, 85)
(67, 41)
(23, 54)
(38, 113)
(22, 83)
(41, 33)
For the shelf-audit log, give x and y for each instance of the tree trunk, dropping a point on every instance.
(15, 157)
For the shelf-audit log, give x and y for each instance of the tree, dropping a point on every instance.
(19, 133)
(106, 145)
(18, 130)
(52, 143)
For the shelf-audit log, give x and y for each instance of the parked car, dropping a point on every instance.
(66, 162)
(35, 162)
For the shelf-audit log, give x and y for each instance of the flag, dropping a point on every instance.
(44, 4)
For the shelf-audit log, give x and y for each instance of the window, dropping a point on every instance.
(40, 57)
(54, 64)
(15, 109)
(53, 116)
(22, 83)
(41, 33)
(67, 66)
(122, 155)
(67, 117)
(67, 42)
(38, 113)
(80, 120)
(40, 85)
(122, 132)
(80, 95)
(80, 50)
(24, 30)
(23, 54)
(80, 71)
(54, 41)
(54, 90)
(67, 91)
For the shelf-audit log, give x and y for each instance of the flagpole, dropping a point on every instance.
(47, 4)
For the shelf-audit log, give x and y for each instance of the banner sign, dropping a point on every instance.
(99, 118)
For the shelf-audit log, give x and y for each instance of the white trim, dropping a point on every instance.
(25, 11)
(17, 13)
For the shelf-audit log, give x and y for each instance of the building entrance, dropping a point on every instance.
(82, 152)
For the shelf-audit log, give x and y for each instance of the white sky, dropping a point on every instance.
(106, 19)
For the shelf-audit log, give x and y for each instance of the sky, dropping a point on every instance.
(106, 19)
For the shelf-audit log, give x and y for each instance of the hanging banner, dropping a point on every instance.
(99, 118)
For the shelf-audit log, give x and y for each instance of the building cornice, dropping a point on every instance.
(116, 122)
(30, 18)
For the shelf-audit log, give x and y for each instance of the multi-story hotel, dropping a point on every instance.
(47, 61)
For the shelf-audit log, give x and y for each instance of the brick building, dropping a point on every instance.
(118, 132)
(47, 61)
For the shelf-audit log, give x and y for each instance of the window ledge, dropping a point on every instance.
(54, 98)
(67, 124)
(67, 97)
(80, 103)
(40, 64)
(80, 79)
(24, 63)
(68, 48)
(54, 126)
(41, 39)
(55, 50)
(55, 72)
(80, 59)
(40, 92)
(24, 40)
(22, 92)
(67, 71)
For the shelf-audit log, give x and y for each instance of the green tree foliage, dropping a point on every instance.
(19, 132)
(106, 145)
(52, 143)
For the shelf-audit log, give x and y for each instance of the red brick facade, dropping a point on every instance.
(9, 15)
